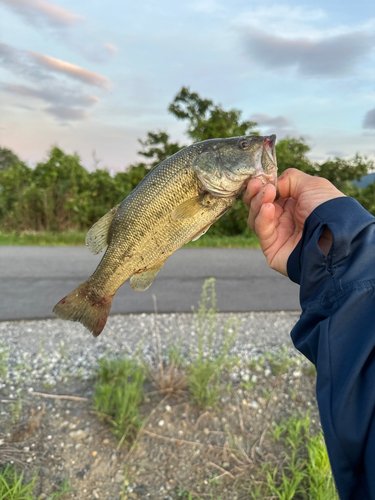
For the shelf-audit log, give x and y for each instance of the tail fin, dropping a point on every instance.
(86, 306)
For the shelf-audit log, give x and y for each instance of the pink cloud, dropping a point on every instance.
(72, 70)
(31, 10)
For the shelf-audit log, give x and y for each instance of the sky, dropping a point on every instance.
(93, 77)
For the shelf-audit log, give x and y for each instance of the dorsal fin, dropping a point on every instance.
(97, 237)
(188, 208)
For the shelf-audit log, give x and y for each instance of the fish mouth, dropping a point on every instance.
(269, 146)
(266, 166)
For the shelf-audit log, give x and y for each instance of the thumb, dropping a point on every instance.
(293, 183)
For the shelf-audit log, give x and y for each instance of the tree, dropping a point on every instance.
(7, 158)
(291, 153)
(61, 194)
(366, 197)
(206, 119)
(158, 147)
(341, 172)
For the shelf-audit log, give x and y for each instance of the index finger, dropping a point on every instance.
(253, 188)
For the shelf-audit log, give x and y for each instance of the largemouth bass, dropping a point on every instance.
(175, 203)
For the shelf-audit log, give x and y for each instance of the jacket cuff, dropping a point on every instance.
(345, 218)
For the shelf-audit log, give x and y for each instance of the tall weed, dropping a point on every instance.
(212, 356)
(305, 472)
(13, 486)
(118, 395)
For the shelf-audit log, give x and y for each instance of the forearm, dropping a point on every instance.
(337, 333)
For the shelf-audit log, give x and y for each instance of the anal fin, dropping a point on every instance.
(141, 281)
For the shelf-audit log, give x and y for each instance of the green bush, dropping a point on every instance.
(118, 395)
(304, 473)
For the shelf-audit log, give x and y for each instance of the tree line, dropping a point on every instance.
(59, 194)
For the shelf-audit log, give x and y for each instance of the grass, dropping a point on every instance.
(16, 408)
(118, 395)
(205, 369)
(183, 494)
(43, 238)
(62, 489)
(3, 362)
(13, 487)
(304, 472)
(279, 363)
(70, 238)
(238, 241)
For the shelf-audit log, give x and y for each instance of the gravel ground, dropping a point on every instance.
(48, 351)
(182, 448)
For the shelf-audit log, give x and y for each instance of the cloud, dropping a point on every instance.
(56, 20)
(57, 95)
(71, 70)
(335, 154)
(111, 48)
(270, 121)
(66, 100)
(369, 121)
(332, 56)
(280, 19)
(67, 114)
(18, 62)
(279, 125)
(66, 104)
(37, 11)
(34, 65)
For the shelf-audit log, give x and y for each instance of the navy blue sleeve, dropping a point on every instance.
(336, 331)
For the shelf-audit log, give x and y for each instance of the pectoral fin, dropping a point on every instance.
(197, 236)
(190, 208)
(97, 237)
(141, 281)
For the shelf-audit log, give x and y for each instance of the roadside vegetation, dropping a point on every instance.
(13, 486)
(295, 464)
(211, 434)
(71, 238)
(56, 202)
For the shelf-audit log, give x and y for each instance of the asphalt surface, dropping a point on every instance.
(33, 279)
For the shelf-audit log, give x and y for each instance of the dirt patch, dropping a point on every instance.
(181, 448)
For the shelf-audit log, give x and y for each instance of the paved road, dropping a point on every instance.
(33, 279)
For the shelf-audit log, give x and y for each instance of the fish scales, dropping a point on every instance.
(149, 236)
(175, 203)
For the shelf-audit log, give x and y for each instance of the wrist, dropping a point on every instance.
(325, 241)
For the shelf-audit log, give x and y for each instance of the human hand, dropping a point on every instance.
(279, 224)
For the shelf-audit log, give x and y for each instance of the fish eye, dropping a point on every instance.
(244, 144)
